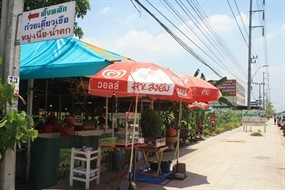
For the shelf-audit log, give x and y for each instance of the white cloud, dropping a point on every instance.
(142, 44)
(222, 23)
(130, 19)
(242, 20)
(105, 10)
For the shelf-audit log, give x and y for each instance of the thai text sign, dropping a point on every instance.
(228, 86)
(48, 23)
(253, 117)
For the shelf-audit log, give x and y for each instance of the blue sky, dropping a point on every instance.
(119, 26)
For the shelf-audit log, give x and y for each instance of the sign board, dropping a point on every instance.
(78, 120)
(14, 80)
(48, 23)
(253, 117)
(228, 86)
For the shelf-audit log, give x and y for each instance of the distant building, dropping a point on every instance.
(233, 91)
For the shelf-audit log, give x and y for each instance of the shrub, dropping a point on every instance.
(151, 124)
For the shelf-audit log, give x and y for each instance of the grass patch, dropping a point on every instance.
(256, 134)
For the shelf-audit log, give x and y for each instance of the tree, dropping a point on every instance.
(269, 109)
(221, 100)
(82, 6)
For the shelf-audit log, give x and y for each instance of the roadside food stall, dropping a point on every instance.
(136, 80)
(52, 75)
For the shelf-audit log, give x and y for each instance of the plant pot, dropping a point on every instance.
(171, 132)
(170, 141)
(165, 166)
(153, 165)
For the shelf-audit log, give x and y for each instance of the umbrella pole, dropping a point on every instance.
(179, 168)
(133, 136)
(106, 114)
(179, 128)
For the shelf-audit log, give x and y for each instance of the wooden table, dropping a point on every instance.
(159, 154)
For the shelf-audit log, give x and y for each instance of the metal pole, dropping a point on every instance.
(259, 98)
(30, 113)
(46, 101)
(249, 57)
(263, 92)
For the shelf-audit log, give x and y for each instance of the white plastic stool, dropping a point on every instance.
(84, 172)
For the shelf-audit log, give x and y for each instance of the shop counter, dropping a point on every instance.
(45, 159)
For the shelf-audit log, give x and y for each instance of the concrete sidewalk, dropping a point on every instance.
(234, 160)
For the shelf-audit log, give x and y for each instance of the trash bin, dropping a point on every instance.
(165, 166)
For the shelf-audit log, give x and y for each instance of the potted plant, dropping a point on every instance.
(151, 125)
(171, 131)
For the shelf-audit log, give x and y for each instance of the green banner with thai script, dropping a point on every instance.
(253, 117)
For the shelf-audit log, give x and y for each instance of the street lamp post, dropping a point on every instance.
(263, 83)
(263, 93)
(258, 69)
(259, 92)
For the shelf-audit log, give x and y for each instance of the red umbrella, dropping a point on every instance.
(202, 90)
(139, 79)
(124, 79)
(199, 106)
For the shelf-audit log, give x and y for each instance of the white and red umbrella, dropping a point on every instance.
(202, 90)
(199, 106)
(124, 79)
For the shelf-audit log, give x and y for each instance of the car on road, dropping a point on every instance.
(279, 119)
(282, 123)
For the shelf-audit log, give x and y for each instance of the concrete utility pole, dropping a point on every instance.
(249, 57)
(11, 62)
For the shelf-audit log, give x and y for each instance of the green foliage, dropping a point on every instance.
(219, 82)
(256, 134)
(6, 95)
(222, 100)
(151, 124)
(13, 125)
(81, 8)
(269, 111)
(167, 118)
(227, 119)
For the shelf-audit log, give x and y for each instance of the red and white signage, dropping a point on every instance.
(229, 87)
(124, 79)
(48, 23)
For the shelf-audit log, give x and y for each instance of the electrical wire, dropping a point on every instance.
(209, 42)
(237, 23)
(183, 44)
(208, 24)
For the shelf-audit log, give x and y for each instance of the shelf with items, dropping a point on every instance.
(85, 172)
(124, 128)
